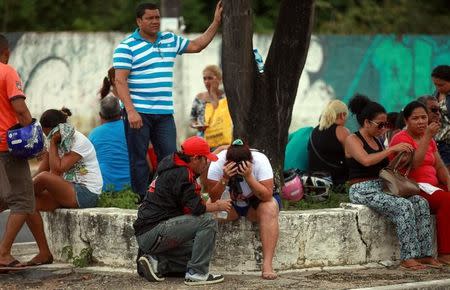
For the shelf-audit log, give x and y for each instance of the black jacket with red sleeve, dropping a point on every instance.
(173, 192)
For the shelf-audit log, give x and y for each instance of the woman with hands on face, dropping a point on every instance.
(68, 176)
(248, 176)
(428, 170)
(366, 156)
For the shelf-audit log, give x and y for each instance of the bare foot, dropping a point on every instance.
(268, 273)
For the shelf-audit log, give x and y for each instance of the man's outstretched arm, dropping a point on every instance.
(203, 40)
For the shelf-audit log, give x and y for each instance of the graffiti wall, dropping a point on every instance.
(68, 68)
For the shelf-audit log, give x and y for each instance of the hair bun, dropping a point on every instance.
(66, 111)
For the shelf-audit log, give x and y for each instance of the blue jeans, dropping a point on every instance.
(160, 130)
(181, 243)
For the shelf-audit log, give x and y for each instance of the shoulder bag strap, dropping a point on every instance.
(320, 157)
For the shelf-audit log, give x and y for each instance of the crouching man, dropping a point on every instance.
(174, 228)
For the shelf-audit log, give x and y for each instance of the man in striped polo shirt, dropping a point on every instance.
(144, 64)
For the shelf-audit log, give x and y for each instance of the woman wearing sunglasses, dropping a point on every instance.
(428, 170)
(366, 156)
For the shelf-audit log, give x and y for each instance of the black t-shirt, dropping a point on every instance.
(332, 154)
(357, 170)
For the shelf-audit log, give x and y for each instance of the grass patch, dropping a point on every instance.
(125, 199)
(337, 196)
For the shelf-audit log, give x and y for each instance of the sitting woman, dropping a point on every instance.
(326, 143)
(248, 176)
(68, 175)
(429, 171)
(365, 157)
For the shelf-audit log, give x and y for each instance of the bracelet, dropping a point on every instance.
(223, 181)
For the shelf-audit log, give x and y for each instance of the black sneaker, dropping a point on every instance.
(149, 268)
(199, 279)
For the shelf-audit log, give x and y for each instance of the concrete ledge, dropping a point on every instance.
(352, 234)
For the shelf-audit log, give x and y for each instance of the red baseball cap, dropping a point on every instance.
(197, 146)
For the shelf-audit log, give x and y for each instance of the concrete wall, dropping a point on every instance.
(67, 69)
(352, 234)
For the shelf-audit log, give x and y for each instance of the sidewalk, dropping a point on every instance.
(64, 276)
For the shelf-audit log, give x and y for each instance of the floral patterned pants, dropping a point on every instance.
(411, 216)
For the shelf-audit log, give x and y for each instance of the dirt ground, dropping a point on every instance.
(70, 278)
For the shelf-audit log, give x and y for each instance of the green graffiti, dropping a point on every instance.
(394, 63)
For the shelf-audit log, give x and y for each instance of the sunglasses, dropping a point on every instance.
(434, 110)
(381, 125)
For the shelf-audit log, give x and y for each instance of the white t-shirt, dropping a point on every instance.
(262, 170)
(85, 171)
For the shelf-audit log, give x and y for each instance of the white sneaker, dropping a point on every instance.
(149, 266)
(199, 279)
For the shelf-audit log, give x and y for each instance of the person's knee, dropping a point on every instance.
(208, 221)
(405, 209)
(268, 209)
(41, 178)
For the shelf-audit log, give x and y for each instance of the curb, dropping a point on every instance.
(433, 284)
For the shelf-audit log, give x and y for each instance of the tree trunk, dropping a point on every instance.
(261, 103)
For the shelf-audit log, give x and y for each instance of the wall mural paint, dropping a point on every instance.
(67, 69)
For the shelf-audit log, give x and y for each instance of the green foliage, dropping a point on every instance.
(337, 196)
(125, 199)
(336, 16)
(382, 16)
(84, 259)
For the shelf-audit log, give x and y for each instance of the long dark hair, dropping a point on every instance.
(52, 118)
(108, 81)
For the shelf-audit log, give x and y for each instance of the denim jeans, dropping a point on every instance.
(181, 243)
(160, 130)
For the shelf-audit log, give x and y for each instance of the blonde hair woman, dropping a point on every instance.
(209, 113)
(326, 144)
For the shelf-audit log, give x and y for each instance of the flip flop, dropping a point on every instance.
(417, 267)
(33, 263)
(431, 263)
(13, 266)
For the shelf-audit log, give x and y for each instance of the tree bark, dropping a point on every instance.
(261, 103)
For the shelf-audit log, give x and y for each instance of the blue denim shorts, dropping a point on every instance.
(254, 202)
(444, 151)
(85, 197)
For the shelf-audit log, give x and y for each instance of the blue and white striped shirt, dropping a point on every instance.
(151, 69)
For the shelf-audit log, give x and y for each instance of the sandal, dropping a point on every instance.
(13, 266)
(33, 262)
(430, 262)
(413, 267)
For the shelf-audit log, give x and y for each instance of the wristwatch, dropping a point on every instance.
(223, 182)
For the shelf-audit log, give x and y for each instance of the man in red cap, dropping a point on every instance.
(174, 229)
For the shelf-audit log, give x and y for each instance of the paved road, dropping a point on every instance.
(64, 276)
